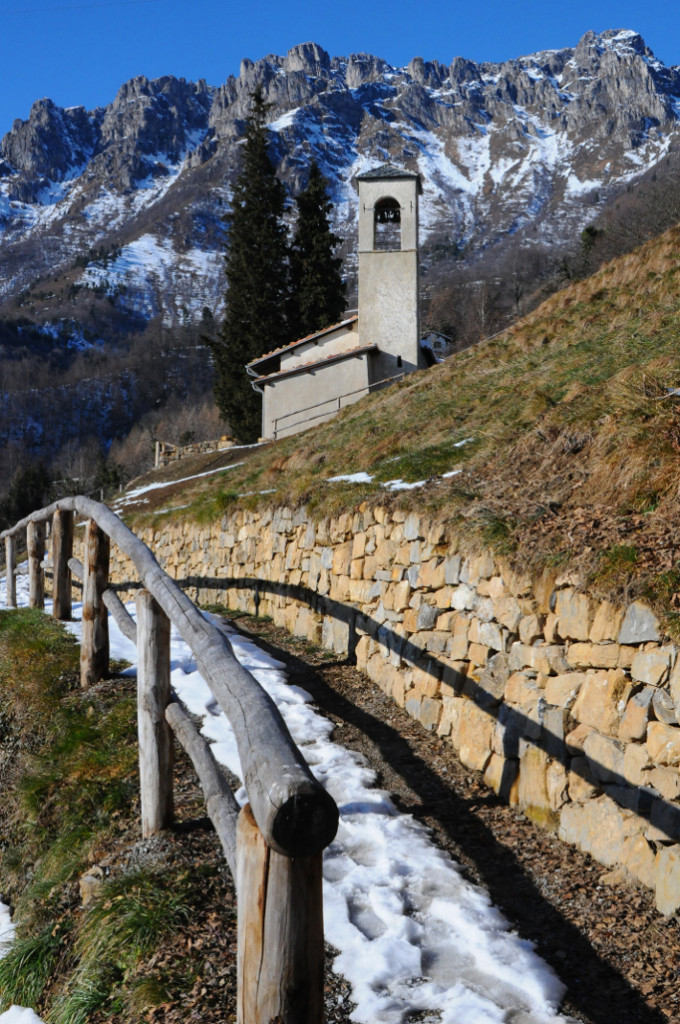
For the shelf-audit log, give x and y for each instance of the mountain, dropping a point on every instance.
(119, 210)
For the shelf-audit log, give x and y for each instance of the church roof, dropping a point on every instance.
(336, 357)
(301, 341)
(388, 172)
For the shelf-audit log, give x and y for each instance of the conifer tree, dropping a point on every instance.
(256, 263)
(317, 288)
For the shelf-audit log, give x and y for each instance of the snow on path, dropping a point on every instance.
(414, 936)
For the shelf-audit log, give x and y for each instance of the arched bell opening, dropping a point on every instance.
(387, 224)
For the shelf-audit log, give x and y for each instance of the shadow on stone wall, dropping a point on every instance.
(662, 815)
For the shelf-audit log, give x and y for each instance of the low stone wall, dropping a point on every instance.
(168, 453)
(570, 707)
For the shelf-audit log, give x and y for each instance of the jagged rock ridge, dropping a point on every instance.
(128, 199)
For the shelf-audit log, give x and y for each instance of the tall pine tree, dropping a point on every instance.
(256, 263)
(317, 289)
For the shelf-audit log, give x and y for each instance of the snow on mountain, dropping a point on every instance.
(504, 150)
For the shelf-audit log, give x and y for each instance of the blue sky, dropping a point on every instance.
(80, 52)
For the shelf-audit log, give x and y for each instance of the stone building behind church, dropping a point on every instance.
(309, 380)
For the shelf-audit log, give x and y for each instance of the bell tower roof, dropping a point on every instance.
(388, 172)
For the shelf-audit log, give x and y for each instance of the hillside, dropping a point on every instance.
(555, 443)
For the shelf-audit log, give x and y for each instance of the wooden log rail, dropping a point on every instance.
(274, 844)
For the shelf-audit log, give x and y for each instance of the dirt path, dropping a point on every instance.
(618, 957)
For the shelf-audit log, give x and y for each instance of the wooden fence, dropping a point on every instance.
(274, 844)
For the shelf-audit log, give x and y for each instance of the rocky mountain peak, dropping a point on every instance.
(51, 143)
(309, 58)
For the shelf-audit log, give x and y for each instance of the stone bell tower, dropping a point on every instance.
(388, 268)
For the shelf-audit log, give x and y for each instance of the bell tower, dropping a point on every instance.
(388, 268)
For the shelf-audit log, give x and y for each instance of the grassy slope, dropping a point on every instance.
(573, 461)
(68, 775)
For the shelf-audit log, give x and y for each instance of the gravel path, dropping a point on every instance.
(618, 957)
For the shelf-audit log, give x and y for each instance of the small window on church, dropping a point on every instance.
(399, 362)
(387, 224)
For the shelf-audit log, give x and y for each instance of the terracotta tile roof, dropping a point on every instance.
(304, 367)
(310, 337)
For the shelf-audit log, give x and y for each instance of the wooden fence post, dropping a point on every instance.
(62, 549)
(10, 564)
(35, 540)
(280, 932)
(94, 645)
(153, 696)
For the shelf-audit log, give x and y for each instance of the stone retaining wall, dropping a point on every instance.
(570, 707)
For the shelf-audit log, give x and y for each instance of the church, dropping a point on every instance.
(310, 380)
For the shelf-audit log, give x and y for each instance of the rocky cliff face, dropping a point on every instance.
(508, 153)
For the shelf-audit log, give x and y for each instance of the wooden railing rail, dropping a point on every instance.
(273, 845)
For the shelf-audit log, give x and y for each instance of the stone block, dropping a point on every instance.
(557, 785)
(580, 783)
(475, 736)
(463, 598)
(639, 859)
(501, 776)
(663, 706)
(663, 743)
(633, 725)
(493, 679)
(442, 597)
(457, 646)
(640, 625)
(452, 566)
(412, 705)
(342, 559)
(432, 574)
(449, 715)
(412, 529)
(599, 700)
(667, 893)
(599, 828)
(575, 613)
(550, 628)
(626, 655)
(636, 764)
(430, 713)
(555, 727)
(605, 757)
(478, 654)
(437, 641)
(491, 636)
(401, 595)
(508, 731)
(576, 739)
(652, 666)
(588, 655)
(543, 592)
(607, 623)
(664, 821)
(563, 690)
(507, 611)
(530, 629)
(532, 789)
(520, 689)
(665, 781)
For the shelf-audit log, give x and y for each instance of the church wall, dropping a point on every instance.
(321, 386)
